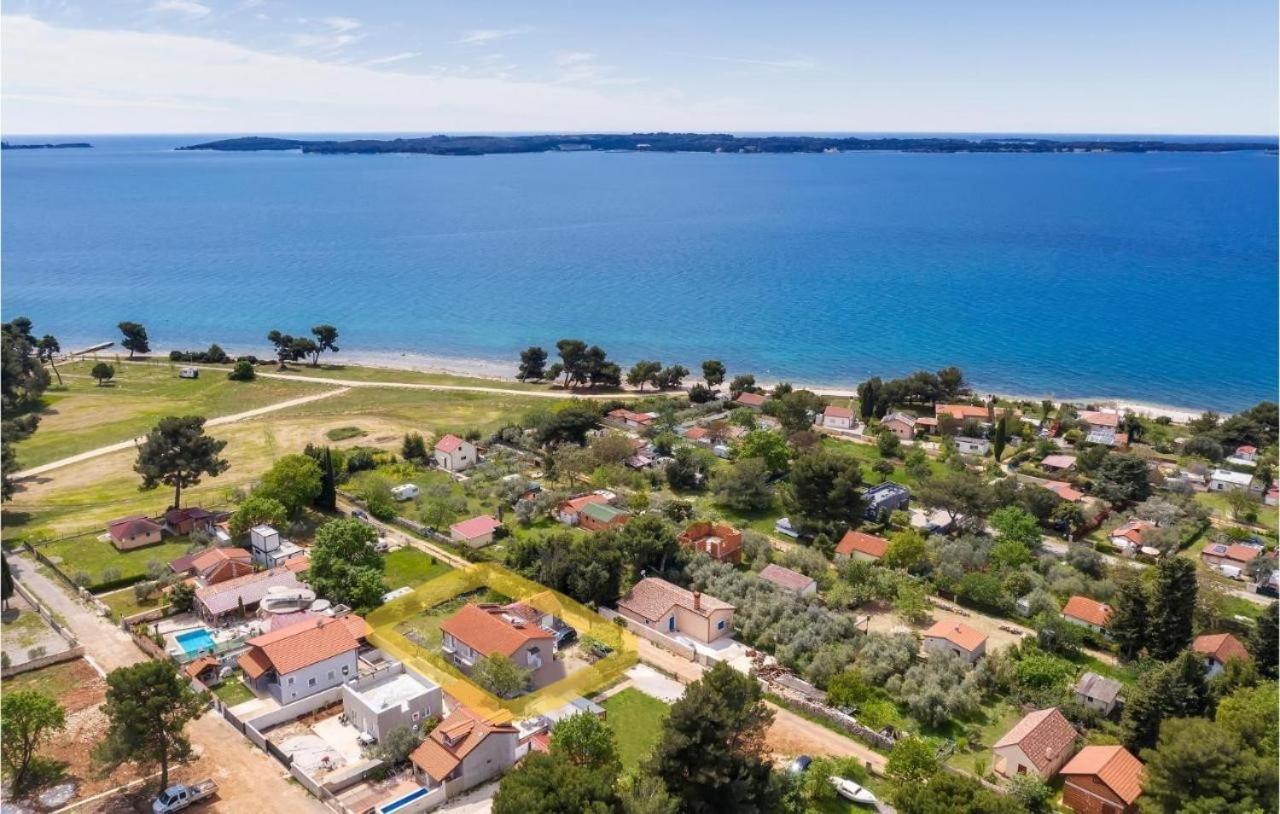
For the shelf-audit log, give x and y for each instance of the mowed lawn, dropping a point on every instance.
(364, 373)
(636, 721)
(97, 558)
(409, 567)
(81, 416)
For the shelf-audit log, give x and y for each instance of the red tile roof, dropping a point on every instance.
(448, 443)
(576, 504)
(652, 598)
(475, 527)
(961, 411)
(1133, 530)
(785, 577)
(867, 544)
(132, 527)
(1042, 736)
(1063, 490)
(957, 633)
(452, 740)
(489, 630)
(1100, 419)
(1221, 646)
(1113, 766)
(304, 644)
(697, 433)
(1087, 610)
(195, 668)
(750, 399)
(833, 411)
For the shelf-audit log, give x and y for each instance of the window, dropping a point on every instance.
(671, 623)
(291, 680)
(346, 669)
(1022, 769)
(311, 682)
(417, 715)
(720, 625)
(331, 675)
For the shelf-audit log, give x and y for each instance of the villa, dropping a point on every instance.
(670, 609)
(478, 631)
(1128, 538)
(1098, 420)
(129, 533)
(217, 604)
(963, 412)
(1087, 612)
(454, 454)
(753, 400)
(951, 636)
(463, 751)
(304, 659)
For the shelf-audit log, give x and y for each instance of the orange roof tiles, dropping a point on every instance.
(448, 443)
(833, 411)
(452, 740)
(475, 527)
(1114, 766)
(750, 399)
(1221, 646)
(302, 645)
(1087, 610)
(489, 630)
(957, 633)
(652, 598)
(961, 411)
(1042, 736)
(867, 544)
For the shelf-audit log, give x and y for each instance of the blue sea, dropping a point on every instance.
(1141, 277)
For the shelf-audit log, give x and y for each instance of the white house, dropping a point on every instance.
(476, 532)
(303, 659)
(972, 446)
(390, 699)
(268, 549)
(1225, 480)
(951, 636)
(454, 454)
(1097, 693)
(405, 491)
(837, 418)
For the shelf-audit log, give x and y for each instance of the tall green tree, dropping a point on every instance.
(713, 372)
(825, 491)
(1173, 603)
(712, 754)
(47, 349)
(1128, 624)
(1199, 768)
(345, 564)
(869, 400)
(573, 359)
(327, 500)
(1176, 689)
(293, 480)
(177, 453)
(326, 339)
(744, 485)
(28, 718)
(148, 707)
(768, 446)
(533, 364)
(958, 494)
(1122, 478)
(1001, 437)
(103, 372)
(644, 372)
(912, 761)
(648, 542)
(22, 384)
(6, 581)
(135, 338)
(1264, 644)
(549, 783)
(257, 510)
(586, 740)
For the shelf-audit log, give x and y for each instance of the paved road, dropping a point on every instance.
(249, 780)
(213, 422)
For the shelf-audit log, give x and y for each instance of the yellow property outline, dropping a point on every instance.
(433, 664)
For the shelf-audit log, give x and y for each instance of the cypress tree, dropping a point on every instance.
(1175, 690)
(1264, 642)
(328, 497)
(1002, 436)
(1128, 621)
(1172, 607)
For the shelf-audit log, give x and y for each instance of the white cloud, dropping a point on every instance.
(140, 82)
(387, 60)
(341, 24)
(190, 8)
(486, 35)
(564, 58)
(779, 64)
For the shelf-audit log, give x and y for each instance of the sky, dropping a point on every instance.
(428, 66)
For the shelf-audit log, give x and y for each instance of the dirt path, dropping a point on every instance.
(789, 735)
(213, 422)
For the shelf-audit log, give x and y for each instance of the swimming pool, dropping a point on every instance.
(397, 804)
(195, 641)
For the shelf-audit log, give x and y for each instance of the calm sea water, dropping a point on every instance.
(1148, 277)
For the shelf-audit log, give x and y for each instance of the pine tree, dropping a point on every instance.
(1128, 622)
(1174, 690)
(1172, 607)
(1264, 642)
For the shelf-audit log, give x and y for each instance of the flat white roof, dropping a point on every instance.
(1241, 478)
(394, 691)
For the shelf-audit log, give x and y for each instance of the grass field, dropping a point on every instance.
(81, 416)
(94, 557)
(636, 721)
(996, 720)
(1268, 516)
(384, 374)
(124, 603)
(407, 567)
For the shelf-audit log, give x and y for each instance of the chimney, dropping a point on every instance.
(697, 601)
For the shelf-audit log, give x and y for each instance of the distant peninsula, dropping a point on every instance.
(70, 145)
(717, 143)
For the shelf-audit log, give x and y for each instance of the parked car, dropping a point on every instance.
(179, 796)
(800, 765)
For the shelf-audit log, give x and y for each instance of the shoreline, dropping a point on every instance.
(492, 370)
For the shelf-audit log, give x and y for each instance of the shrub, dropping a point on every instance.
(242, 372)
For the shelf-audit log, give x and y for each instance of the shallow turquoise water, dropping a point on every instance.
(195, 641)
(1138, 276)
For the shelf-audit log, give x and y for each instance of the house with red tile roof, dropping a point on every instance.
(632, 419)
(953, 636)
(753, 400)
(836, 417)
(961, 412)
(476, 532)
(1218, 649)
(216, 604)
(1064, 490)
(788, 580)
(214, 565)
(1087, 612)
(1102, 780)
(454, 454)
(569, 511)
(720, 541)
(1099, 420)
(1040, 744)
(192, 518)
(1234, 555)
(303, 659)
(698, 435)
(478, 631)
(1128, 538)
(672, 610)
(901, 425)
(129, 533)
(463, 751)
(856, 545)
(1056, 463)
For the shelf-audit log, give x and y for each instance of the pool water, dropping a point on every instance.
(195, 641)
(395, 805)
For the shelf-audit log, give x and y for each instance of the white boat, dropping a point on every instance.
(850, 790)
